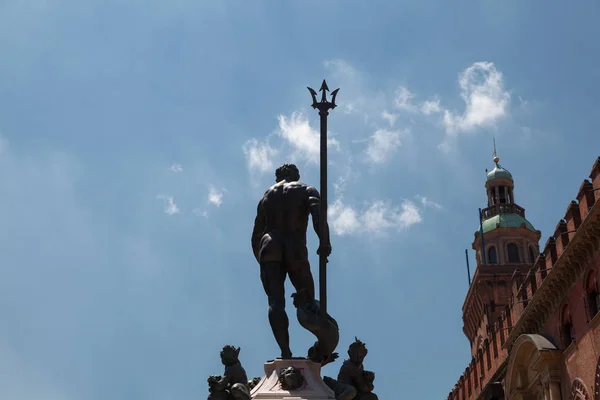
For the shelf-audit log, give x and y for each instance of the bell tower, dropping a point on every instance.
(504, 243)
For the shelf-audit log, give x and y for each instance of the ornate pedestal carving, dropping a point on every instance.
(311, 386)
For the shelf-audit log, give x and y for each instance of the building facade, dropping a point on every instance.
(531, 314)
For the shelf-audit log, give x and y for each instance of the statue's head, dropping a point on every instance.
(357, 351)
(291, 378)
(287, 172)
(229, 355)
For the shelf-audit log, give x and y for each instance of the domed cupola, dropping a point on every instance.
(498, 172)
(503, 221)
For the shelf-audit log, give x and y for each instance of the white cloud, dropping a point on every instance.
(176, 168)
(403, 100)
(343, 219)
(428, 203)
(259, 156)
(169, 203)
(215, 197)
(486, 100)
(382, 145)
(389, 117)
(296, 130)
(378, 218)
(430, 107)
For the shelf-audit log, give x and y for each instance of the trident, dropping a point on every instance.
(323, 106)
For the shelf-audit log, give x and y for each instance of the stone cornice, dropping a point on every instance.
(561, 278)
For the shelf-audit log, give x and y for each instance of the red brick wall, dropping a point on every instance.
(582, 356)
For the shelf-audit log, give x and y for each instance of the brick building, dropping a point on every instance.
(532, 316)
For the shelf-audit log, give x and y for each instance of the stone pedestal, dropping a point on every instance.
(313, 387)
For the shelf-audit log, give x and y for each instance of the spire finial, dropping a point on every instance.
(496, 159)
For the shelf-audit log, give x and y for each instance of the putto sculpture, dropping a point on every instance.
(233, 384)
(353, 381)
(279, 246)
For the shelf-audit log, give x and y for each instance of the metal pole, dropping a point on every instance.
(323, 214)
(323, 106)
(468, 269)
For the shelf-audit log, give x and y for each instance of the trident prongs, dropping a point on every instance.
(323, 105)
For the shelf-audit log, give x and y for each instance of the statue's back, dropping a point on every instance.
(285, 205)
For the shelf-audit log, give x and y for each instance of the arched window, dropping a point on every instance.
(579, 391)
(513, 253)
(531, 254)
(492, 256)
(592, 296)
(567, 333)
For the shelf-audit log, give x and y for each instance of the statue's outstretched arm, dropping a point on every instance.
(258, 231)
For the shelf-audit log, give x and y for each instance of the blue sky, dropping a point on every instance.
(136, 138)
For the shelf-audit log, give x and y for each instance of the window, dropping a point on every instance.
(579, 391)
(567, 333)
(513, 253)
(502, 191)
(543, 270)
(495, 342)
(531, 255)
(480, 359)
(492, 256)
(592, 297)
(469, 381)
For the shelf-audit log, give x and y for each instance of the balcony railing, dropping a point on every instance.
(502, 209)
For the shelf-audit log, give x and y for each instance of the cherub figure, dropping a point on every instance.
(353, 382)
(233, 385)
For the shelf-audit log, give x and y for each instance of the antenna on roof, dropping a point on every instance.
(468, 269)
(496, 159)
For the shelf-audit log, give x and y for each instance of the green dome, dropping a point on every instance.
(498, 172)
(506, 221)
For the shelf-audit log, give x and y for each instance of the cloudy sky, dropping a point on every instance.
(136, 138)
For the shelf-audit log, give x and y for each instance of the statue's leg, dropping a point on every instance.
(273, 278)
(300, 274)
